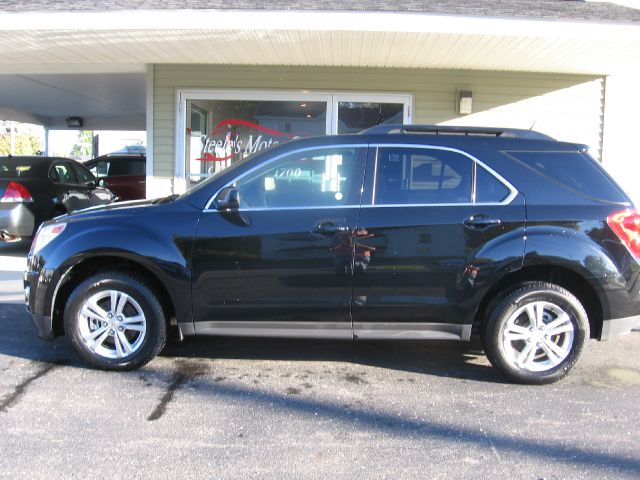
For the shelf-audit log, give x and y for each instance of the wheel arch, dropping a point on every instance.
(92, 265)
(564, 277)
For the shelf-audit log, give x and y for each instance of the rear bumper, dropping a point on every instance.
(619, 326)
(17, 220)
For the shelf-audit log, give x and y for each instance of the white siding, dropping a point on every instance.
(620, 154)
(567, 107)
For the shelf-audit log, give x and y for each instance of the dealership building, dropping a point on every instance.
(212, 82)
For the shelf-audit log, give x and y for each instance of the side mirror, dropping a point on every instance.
(102, 183)
(228, 199)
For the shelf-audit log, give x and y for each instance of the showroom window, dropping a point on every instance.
(225, 127)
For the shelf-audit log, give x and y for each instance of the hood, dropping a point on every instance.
(133, 207)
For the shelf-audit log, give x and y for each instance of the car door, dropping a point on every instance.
(436, 226)
(125, 176)
(282, 263)
(70, 193)
(87, 182)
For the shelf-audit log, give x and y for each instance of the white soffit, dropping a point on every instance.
(349, 39)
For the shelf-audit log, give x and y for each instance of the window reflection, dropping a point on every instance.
(222, 132)
(304, 179)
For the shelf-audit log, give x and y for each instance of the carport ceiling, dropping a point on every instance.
(326, 38)
(105, 101)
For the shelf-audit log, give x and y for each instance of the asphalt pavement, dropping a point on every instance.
(254, 408)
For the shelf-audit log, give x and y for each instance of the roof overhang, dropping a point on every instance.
(319, 38)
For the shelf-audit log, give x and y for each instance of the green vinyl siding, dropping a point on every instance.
(568, 107)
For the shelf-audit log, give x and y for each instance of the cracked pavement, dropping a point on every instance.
(268, 408)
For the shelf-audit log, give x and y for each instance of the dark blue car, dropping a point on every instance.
(402, 232)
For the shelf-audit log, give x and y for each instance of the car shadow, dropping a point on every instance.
(440, 358)
(18, 338)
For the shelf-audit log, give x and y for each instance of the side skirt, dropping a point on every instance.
(338, 331)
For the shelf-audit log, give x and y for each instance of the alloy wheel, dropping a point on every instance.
(538, 336)
(112, 324)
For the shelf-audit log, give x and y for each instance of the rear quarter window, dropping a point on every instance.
(574, 171)
(488, 188)
(127, 166)
(16, 168)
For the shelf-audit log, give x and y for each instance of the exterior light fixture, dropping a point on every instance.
(465, 102)
(74, 122)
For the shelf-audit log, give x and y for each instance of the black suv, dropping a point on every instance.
(401, 232)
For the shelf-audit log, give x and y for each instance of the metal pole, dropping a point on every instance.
(46, 141)
(12, 143)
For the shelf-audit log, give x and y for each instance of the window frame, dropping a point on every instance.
(331, 98)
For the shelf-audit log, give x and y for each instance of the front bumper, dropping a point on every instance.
(36, 298)
(43, 325)
(619, 326)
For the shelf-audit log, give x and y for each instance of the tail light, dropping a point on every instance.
(626, 225)
(16, 193)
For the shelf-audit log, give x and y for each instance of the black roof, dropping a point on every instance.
(544, 9)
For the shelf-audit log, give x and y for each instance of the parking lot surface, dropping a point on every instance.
(265, 408)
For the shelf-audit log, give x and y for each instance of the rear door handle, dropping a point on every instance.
(480, 222)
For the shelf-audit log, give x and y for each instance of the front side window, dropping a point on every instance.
(409, 176)
(313, 178)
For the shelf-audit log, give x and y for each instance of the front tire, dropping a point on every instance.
(115, 321)
(536, 333)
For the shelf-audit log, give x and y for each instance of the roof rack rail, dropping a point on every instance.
(455, 130)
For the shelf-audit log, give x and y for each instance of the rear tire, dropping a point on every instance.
(115, 321)
(536, 333)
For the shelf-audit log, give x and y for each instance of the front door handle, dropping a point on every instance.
(328, 229)
(480, 222)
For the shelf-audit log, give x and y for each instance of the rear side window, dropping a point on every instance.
(84, 175)
(62, 173)
(408, 176)
(574, 171)
(127, 166)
